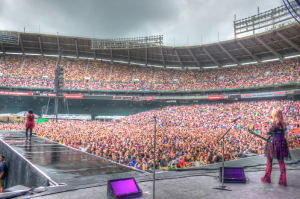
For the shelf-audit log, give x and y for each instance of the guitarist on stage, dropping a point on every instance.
(276, 147)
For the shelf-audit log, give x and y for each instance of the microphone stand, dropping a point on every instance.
(223, 187)
(154, 157)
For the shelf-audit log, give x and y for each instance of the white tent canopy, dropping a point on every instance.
(69, 116)
(114, 117)
(24, 113)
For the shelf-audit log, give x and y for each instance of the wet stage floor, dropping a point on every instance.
(86, 175)
(63, 164)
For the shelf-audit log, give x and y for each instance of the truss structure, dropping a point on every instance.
(266, 21)
(9, 37)
(127, 43)
(280, 41)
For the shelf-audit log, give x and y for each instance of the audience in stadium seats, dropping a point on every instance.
(186, 135)
(33, 68)
(95, 75)
(121, 73)
(75, 70)
(164, 75)
(110, 86)
(144, 74)
(163, 87)
(10, 66)
(98, 71)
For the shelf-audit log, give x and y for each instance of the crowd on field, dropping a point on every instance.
(186, 135)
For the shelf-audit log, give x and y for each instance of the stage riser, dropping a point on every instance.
(20, 171)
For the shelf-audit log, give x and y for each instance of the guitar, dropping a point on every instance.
(261, 137)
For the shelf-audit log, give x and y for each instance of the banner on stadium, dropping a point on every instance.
(214, 97)
(184, 101)
(138, 98)
(51, 95)
(122, 98)
(73, 96)
(142, 98)
(267, 94)
(202, 97)
(127, 98)
(14, 93)
(148, 98)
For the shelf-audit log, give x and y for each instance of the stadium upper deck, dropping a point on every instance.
(269, 45)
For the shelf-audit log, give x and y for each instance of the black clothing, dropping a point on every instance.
(210, 157)
(27, 132)
(163, 163)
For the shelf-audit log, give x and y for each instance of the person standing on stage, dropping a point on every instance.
(276, 147)
(29, 123)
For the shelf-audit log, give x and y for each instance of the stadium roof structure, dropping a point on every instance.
(273, 44)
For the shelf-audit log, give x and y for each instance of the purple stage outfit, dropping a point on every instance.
(276, 147)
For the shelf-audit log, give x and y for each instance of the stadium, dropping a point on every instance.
(132, 117)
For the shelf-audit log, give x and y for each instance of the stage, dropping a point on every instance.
(75, 174)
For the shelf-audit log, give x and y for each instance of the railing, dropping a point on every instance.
(209, 90)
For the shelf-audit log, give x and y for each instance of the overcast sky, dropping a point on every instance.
(184, 20)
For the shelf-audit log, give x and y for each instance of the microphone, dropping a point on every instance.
(236, 119)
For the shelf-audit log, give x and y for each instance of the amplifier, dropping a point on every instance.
(233, 175)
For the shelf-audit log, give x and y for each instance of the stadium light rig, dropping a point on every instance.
(292, 8)
(270, 20)
(127, 43)
(9, 37)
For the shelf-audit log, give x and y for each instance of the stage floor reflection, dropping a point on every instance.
(64, 164)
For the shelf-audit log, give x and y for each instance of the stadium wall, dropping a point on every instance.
(13, 104)
(20, 171)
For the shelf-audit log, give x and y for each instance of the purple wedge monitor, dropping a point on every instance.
(233, 175)
(123, 188)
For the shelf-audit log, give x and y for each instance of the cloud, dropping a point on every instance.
(186, 20)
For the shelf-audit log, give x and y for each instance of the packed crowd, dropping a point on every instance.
(98, 75)
(98, 71)
(34, 68)
(186, 135)
(75, 70)
(10, 65)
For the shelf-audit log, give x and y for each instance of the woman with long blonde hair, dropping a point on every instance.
(276, 147)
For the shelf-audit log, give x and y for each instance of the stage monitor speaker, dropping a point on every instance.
(123, 188)
(233, 175)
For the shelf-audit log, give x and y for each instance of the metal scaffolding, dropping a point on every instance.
(270, 20)
(127, 43)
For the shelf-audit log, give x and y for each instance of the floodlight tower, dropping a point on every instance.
(59, 80)
(293, 8)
